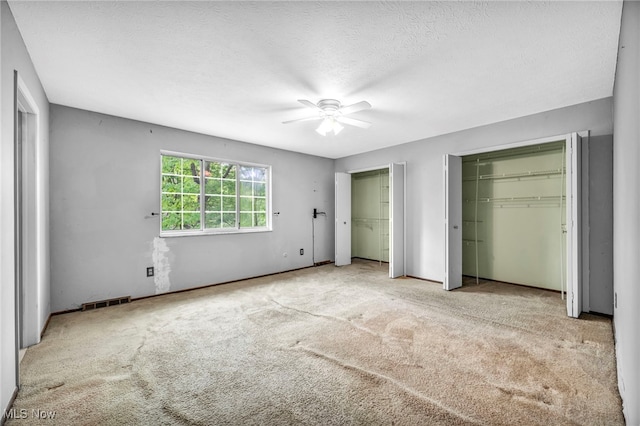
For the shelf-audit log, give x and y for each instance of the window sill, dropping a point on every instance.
(172, 234)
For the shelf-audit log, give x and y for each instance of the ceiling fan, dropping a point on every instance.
(332, 113)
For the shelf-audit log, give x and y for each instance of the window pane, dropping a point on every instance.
(246, 220)
(213, 186)
(228, 220)
(229, 172)
(191, 203)
(191, 185)
(190, 167)
(171, 202)
(172, 165)
(171, 184)
(191, 221)
(259, 174)
(246, 204)
(229, 187)
(246, 173)
(260, 219)
(213, 203)
(260, 204)
(246, 188)
(229, 204)
(260, 189)
(171, 221)
(213, 220)
(212, 169)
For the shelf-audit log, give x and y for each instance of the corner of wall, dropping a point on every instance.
(626, 202)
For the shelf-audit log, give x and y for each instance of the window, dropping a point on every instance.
(202, 195)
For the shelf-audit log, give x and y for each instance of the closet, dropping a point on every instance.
(370, 215)
(514, 215)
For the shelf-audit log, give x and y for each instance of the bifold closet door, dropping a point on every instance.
(343, 219)
(396, 220)
(452, 222)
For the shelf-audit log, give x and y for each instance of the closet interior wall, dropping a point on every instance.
(513, 215)
(370, 215)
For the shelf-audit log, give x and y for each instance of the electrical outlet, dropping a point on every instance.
(301, 252)
(150, 271)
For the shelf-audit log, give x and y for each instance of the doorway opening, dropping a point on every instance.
(27, 239)
(370, 217)
(514, 216)
(518, 189)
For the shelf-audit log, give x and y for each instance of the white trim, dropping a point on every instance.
(586, 224)
(540, 141)
(370, 169)
(32, 106)
(230, 231)
(31, 252)
(207, 158)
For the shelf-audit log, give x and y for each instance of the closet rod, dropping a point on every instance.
(535, 173)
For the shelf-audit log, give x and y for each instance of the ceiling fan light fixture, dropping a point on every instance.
(329, 124)
(332, 115)
(324, 127)
(337, 127)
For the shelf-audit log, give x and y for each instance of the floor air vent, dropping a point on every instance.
(103, 303)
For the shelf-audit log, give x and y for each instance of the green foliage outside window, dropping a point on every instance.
(235, 196)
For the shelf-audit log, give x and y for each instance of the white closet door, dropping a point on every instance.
(396, 220)
(452, 222)
(574, 240)
(343, 219)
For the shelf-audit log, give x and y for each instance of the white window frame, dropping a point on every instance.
(216, 231)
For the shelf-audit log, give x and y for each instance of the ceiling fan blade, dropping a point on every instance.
(359, 106)
(302, 119)
(309, 104)
(354, 122)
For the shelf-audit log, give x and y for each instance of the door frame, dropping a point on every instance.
(403, 234)
(28, 248)
(577, 279)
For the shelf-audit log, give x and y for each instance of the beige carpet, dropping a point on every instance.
(327, 346)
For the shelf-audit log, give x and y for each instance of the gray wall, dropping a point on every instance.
(626, 211)
(14, 56)
(425, 182)
(105, 174)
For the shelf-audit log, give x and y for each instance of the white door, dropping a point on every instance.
(343, 219)
(574, 231)
(396, 220)
(452, 222)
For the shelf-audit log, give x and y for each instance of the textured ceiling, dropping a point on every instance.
(236, 69)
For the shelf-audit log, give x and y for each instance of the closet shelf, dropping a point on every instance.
(472, 241)
(542, 198)
(535, 173)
